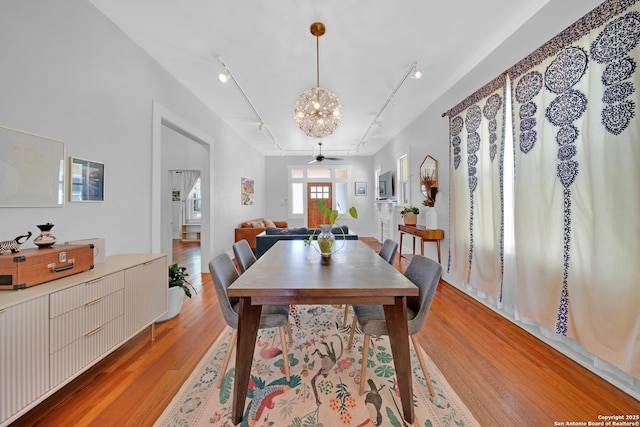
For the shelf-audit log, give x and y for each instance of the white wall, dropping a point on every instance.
(432, 132)
(277, 191)
(68, 73)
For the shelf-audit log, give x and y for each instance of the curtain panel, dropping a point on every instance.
(577, 196)
(189, 180)
(476, 212)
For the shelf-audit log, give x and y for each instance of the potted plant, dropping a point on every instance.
(410, 213)
(326, 237)
(179, 286)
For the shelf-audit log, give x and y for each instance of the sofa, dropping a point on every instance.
(248, 230)
(271, 235)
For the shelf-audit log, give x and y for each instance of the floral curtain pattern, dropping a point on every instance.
(576, 133)
(476, 220)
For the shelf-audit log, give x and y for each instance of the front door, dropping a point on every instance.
(316, 192)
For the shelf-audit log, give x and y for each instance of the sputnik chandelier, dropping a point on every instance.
(317, 111)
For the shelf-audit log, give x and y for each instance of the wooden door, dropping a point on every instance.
(317, 191)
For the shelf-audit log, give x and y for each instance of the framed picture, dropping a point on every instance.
(86, 180)
(31, 170)
(361, 188)
(246, 191)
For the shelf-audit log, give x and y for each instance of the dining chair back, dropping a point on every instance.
(425, 273)
(388, 253)
(224, 273)
(244, 255)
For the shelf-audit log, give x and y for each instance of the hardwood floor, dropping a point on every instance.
(503, 374)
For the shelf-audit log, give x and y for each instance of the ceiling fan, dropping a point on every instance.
(320, 157)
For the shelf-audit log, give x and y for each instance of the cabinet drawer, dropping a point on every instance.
(80, 353)
(77, 296)
(74, 324)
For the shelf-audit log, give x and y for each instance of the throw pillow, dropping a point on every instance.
(273, 231)
(268, 223)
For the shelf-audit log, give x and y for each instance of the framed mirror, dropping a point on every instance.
(429, 180)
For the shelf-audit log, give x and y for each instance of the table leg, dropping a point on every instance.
(398, 329)
(414, 245)
(248, 324)
(400, 249)
(438, 243)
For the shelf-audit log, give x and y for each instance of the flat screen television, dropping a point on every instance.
(385, 186)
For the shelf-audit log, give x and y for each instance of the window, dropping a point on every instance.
(297, 198)
(194, 203)
(403, 180)
(298, 178)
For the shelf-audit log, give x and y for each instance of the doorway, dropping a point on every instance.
(317, 192)
(186, 205)
(163, 155)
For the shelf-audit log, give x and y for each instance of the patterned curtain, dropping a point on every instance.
(577, 198)
(476, 159)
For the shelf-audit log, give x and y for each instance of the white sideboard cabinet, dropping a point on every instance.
(51, 333)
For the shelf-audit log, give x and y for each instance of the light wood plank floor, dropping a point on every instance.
(503, 374)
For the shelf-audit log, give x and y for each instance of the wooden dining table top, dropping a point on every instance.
(292, 272)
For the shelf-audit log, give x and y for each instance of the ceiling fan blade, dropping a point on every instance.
(333, 158)
(312, 161)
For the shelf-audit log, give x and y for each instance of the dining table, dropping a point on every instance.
(293, 272)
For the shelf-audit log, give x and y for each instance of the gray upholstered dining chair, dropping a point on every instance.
(425, 273)
(245, 259)
(224, 273)
(388, 253)
(244, 255)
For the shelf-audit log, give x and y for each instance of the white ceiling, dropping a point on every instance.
(367, 49)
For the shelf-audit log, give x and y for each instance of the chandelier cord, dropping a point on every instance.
(318, 61)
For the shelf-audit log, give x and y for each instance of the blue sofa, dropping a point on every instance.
(270, 236)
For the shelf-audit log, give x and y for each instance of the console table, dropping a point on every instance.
(425, 235)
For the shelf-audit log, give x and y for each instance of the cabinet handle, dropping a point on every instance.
(148, 262)
(88, 282)
(2, 310)
(95, 331)
(95, 301)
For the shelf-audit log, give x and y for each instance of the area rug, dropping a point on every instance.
(323, 389)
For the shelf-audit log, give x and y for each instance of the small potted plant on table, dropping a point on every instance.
(326, 237)
(410, 215)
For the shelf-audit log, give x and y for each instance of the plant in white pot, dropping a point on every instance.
(410, 215)
(178, 288)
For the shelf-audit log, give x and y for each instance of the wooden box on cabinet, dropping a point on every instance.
(35, 266)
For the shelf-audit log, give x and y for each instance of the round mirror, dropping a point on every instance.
(429, 180)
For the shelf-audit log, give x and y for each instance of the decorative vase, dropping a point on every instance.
(431, 219)
(326, 240)
(410, 218)
(176, 296)
(45, 239)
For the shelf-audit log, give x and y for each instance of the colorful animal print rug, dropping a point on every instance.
(323, 390)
